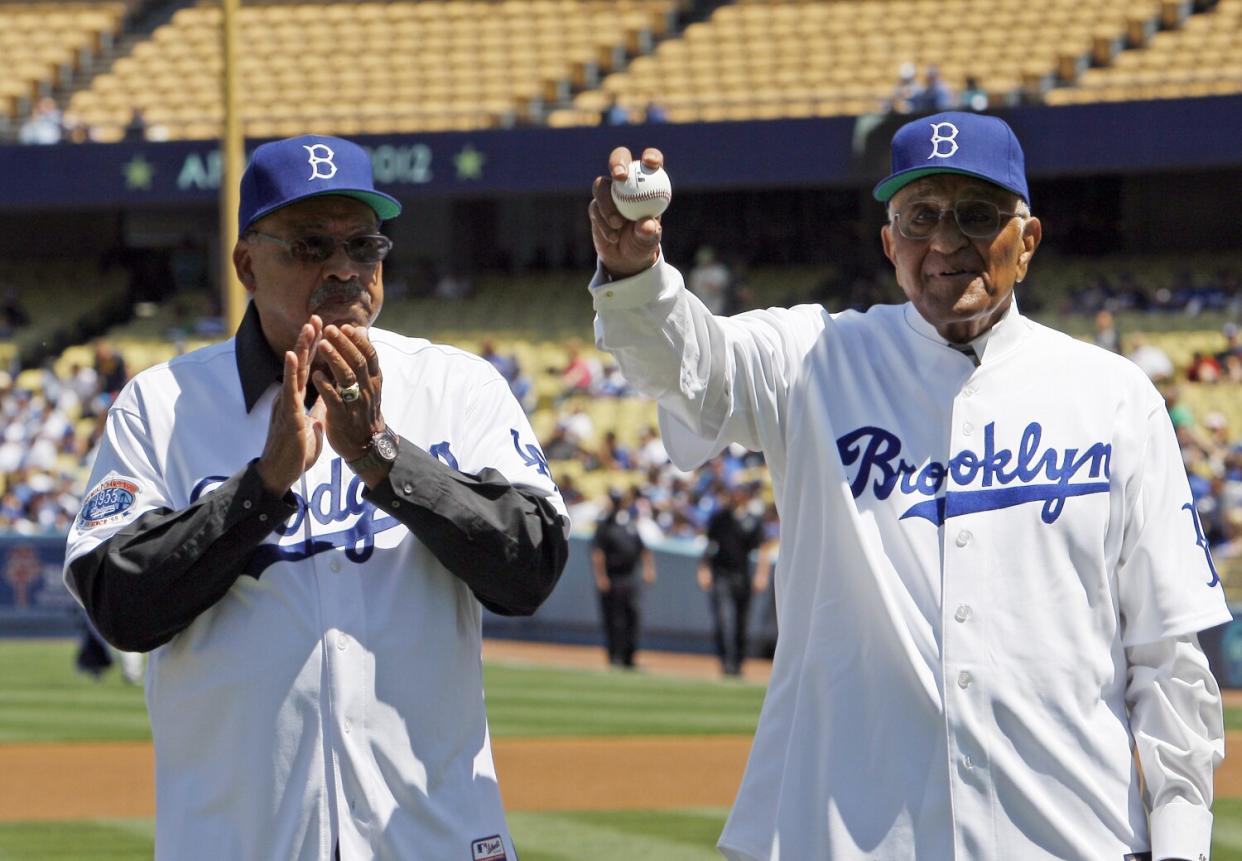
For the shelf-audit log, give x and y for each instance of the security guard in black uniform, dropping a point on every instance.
(734, 531)
(616, 551)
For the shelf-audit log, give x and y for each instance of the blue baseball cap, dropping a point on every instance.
(286, 171)
(956, 142)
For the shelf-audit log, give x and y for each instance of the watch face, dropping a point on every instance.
(386, 446)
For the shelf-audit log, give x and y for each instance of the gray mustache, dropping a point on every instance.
(335, 291)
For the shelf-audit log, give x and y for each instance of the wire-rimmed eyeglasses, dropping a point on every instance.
(978, 219)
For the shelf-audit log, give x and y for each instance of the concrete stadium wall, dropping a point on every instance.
(674, 613)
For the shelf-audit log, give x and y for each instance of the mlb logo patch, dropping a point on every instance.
(488, 849)
(108, 502)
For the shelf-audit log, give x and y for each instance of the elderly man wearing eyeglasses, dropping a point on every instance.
(992, 574)
(301, 525)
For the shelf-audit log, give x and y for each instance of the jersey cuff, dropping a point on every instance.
(1181, 830)
(627, 293)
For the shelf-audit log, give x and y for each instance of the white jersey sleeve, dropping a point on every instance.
(1179, 731)
(497, 434)
(718, 380)
(1166, 580)
(126, 481)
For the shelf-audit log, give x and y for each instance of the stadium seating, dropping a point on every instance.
(535, 316)
(465, 64)
(44, 43)
(1201, 58)
(370, 67)
(765, 59)
(60, 309)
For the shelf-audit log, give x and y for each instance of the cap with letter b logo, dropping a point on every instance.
(956, 142)
(286, 171)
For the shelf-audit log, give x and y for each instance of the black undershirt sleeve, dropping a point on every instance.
(506, 543)
(153, 577)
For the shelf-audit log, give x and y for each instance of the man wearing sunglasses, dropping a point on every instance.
(301, 525)
(992, 575)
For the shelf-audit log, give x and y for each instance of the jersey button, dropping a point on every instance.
(967, 762)
(247, 504)
(342, 642)
(963, 538)
(968, 428)
(396, 503)
(334, 565)
(963, 613)
(968, 391)
(964, 679)
(348, 726)
(407, 488)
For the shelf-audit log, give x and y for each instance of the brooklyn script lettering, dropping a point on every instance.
(1004, 477)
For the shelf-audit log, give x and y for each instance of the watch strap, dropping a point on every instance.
(372, 458)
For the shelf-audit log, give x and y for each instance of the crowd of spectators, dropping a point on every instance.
(669, 503)
(932, 93)
(1181, 293)
(1212, 452)
(617, 114)
(51, 425)
(1211, 448)
(47, 124)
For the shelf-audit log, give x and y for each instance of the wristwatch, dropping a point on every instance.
(381, 451)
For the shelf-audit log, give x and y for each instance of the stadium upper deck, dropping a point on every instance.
(467, 64)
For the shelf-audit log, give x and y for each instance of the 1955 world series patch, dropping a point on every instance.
(108, 502)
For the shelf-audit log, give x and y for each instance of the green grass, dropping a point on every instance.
(42, 698)
(667, 835)
(84, 840)
(528, 702)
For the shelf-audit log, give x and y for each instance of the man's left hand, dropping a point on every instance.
(351, 359)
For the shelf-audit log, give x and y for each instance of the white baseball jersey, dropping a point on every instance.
(988, 586)
(336, 693)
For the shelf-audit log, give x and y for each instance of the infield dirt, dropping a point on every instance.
(86, 780)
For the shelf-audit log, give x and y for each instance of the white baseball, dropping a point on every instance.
(644, 194)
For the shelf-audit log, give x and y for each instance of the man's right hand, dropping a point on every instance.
(294, 437)
(624, 247)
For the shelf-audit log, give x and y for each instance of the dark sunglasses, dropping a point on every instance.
(316, 249)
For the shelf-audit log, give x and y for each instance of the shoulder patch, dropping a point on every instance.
(108, 502)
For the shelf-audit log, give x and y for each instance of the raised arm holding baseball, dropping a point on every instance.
(992, 574)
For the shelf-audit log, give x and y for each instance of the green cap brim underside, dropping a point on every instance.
(885, 190)
(384, 207)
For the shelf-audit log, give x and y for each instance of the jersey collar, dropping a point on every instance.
(1006, 332)
(257, 366)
